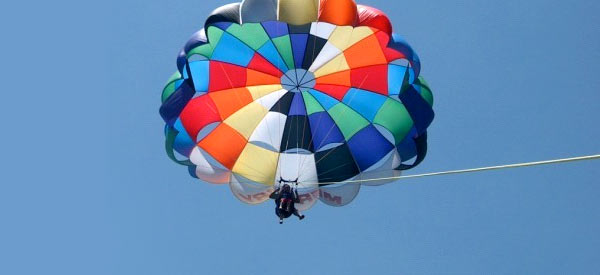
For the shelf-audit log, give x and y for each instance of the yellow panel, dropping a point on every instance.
(341, 37)
(337, 64)
(257, 164)
(298, 12)
(263, 90)
(344, 37)
(247, 119)
(359, 34)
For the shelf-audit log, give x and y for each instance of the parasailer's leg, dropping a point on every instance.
(297, 214)
(279, 214)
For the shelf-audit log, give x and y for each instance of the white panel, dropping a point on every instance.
(200, 157)
(308, 198)
(301, 166)
(208, 169)
(328, 53)
(269, 131)
(340, 194)
(322, 29)
(216, 176)
(271, 99)
(248, 191)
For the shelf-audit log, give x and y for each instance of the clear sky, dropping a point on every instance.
(87, 188)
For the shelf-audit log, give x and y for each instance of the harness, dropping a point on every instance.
(287, 199)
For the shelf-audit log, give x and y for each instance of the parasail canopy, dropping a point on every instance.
(321, 91)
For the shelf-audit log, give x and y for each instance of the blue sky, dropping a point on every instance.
(87, 188)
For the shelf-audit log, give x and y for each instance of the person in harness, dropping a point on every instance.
(285, 200)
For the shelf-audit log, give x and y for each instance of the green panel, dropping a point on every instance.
(284, 46)
(312, 105)
(425, 91)
(174, 77)
(252, 34)
(214, 35)
(394, 117)
(349, 121)
(205, 50)
(170, 87)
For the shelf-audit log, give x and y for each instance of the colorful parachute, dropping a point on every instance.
(319, 91)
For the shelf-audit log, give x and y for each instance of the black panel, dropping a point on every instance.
(303, 29)
(174, 105)
(313, 47)
(420, 111)
(297, 134)
(421, 143)
(335, 165)
(284, 103)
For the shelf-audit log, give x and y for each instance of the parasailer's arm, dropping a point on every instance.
(275, 194)
(296, 197)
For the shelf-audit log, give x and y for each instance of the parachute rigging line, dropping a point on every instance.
(473, 170)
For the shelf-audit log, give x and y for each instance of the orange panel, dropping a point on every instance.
(256, 78)
(224, 144)
(230, 101)
(356, 57)
(338, 12)
(340, 78)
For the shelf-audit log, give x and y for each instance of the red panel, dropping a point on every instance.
(259, 63)
(383, 38)
(226, 76)
(334, 91)
(198, 113)
(372, 78)
(372, 17)
(391, 55)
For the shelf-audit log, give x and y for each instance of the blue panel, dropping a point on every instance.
(222, 25)
(200, 75)
(365, 103)
(326, 101)
(396, 77)
(298, 108)
(275, 28)
(197, 39)
(232, 50)
(324, 130)
(398, 43)
(178, 83)
(270, 53)
(368, 147)
(183, 142)
(192, 170)
(407, 149)
(299, 47)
